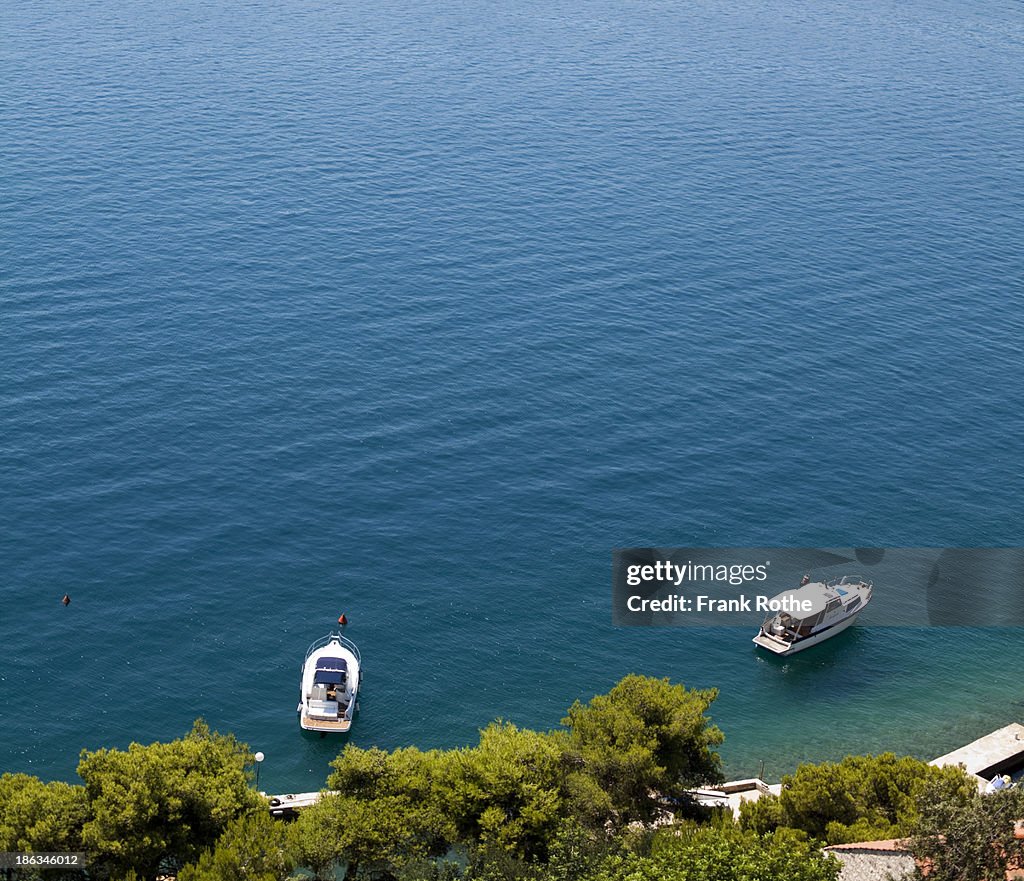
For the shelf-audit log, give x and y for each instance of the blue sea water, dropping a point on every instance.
(416, 310)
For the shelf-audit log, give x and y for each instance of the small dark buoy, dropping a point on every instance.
(342, 620)
(66, 600)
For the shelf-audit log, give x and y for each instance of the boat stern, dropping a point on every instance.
(777, 646)
(337, 725)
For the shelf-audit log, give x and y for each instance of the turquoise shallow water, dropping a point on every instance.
(415, 312)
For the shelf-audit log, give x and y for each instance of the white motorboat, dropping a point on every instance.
(331, 675)
(827, 608)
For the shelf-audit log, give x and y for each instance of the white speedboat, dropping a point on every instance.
(825, 610)
(331, 675)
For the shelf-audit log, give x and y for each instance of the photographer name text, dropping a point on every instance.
(701, 603)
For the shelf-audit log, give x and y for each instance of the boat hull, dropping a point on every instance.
(782, 648)
(329, 688)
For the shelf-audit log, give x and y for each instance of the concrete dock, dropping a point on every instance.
(733, 794)
(1001, 752)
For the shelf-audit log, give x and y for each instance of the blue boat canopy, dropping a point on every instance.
(329, 677)
(331, 664)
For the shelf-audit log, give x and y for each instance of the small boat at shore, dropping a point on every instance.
(329, 688)
(827, 609)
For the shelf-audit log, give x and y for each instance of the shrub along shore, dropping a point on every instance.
(584, 802)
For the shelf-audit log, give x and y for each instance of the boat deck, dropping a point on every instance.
(325, 724)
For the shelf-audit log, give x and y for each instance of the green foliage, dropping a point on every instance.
(964, 835)
(861, 798)
(314, 841)
(491, 862)
(587, 801)
(722, 853)
(576, 852)
(395, 809)
(507, 790)
(567, 805)
(762, 816)
(386, 813)
(253, 848)
(375, 835)
(430, 870)
(37, 816)
(505, 801)
(646, 736)
(165, 801)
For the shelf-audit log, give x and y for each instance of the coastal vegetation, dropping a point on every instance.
(963, 835)
(604, 797)
(140, 810)
(861, 798)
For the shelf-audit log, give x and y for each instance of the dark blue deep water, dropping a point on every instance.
(415, 310)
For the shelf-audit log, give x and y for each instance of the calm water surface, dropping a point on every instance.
(416, 310)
